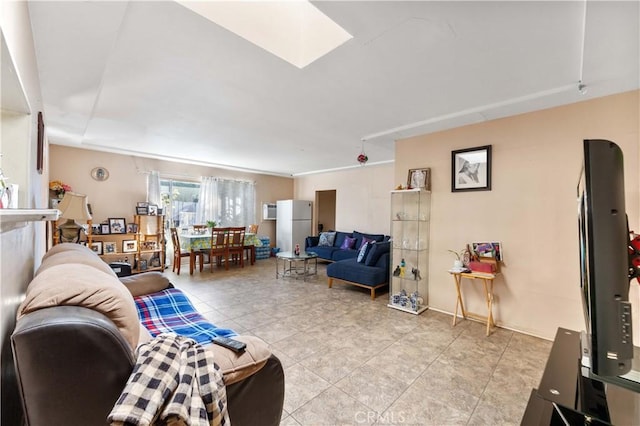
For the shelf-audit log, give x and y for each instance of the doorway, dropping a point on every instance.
(325, 211)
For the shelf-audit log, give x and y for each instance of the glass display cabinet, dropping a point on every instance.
(409, 280)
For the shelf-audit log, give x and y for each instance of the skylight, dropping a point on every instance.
(293, 30)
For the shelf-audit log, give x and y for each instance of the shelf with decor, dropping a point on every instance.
(116, 247)
(151, 243)
(410, 217)
(141, 245)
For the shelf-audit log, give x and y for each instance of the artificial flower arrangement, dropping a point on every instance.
(59, 188)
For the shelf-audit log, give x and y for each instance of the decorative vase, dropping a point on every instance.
(457, 264)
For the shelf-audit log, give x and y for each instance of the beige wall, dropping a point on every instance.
(127, 183)
(362, 196)
(531, 208)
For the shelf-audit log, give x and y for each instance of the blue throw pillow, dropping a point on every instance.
(348, 243)
(376, 251)
(362, 254)
(326, 239)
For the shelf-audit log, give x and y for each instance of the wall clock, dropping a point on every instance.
(100, 173)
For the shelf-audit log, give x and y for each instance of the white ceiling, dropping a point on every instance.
(155, 79)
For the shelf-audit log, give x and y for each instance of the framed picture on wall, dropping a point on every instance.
(471, 169)
(40, 147)
(104, 229)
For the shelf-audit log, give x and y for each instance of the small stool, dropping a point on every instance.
(487, 280)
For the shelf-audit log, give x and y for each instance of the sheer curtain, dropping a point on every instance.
(153, 188)
(228, 202)
(206, 207)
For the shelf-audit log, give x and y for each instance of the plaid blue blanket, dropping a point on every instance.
(170, 311)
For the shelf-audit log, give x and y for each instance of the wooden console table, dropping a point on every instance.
(487, 281)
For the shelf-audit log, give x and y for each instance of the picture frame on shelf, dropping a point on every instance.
(95, 229)
(104, 229)
(155, 262)
(471, 169)
(148, 245)
(110, 247)
(132, 228)
(419, 178)
(153, 210)
(143, 265)
(489, 249)
(117, 225)
(129, 246)
(96, 247)
(142, 210)
(142, 204)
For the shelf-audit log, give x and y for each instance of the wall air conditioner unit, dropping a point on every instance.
(269, 211)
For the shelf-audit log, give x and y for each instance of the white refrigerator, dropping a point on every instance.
(293, 223)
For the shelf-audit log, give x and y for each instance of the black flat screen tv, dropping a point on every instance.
(604, 260)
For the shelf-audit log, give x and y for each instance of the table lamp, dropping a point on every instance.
(73, 207)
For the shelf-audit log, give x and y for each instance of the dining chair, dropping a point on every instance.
(236, 244)
(202, 229)
(219, 247)
(178, 254)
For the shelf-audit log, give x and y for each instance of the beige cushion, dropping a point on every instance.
(235, 367)
(147, 283)
(82, 285)
(66, 247)
(85, 257)
(144, 336)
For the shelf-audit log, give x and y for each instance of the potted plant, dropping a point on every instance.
(457, 263)
(212, 223)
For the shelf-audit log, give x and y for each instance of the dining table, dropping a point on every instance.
(193, 242)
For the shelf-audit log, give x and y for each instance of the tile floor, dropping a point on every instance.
(352, 361)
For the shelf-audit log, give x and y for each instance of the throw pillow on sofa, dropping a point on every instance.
(362, 254)
(366, 240)
(376, 251)
(326, 239)
(359, 236)
(348, 243)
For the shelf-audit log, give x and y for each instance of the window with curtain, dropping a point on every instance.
(227, 202)
(180, 199)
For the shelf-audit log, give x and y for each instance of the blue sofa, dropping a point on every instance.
(372, 272)
(335, 251)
